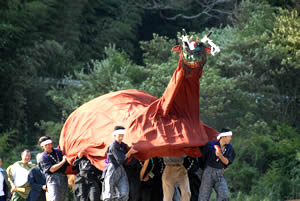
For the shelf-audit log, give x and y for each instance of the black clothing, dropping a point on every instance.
(87, 181)
(48, 160)
(213, 174)
(149, 169)
(36, 180)
(86, 189)
(152, 189)
(209, 154)
(85, 168)
(116, 153)
(193, 166)
(115, 181)
(132, 169)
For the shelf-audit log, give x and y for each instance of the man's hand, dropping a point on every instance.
(13, 189)
(146, 178)
(64, 159)
(221, 157)
(55, 167)
(219, 153)
(80, 154)
(130, 152)
(44, 187)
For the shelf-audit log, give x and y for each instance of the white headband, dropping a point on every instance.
(229, 133)
(118, 132)
(49, 141)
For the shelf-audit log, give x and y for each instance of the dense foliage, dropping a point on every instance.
(57, 55)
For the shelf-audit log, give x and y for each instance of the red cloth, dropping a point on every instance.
(168, 126)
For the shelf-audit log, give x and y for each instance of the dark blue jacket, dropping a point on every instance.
(116, 153)
(36, 180)
(47, 161)
(209, 155)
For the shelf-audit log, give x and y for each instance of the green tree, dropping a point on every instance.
(265, 158)
(262, 60)
(284, 68)
(115, 72)
(23, 96)
(105, 22)
(160, 62)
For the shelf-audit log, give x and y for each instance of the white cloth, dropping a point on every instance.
(229, 133)
(20, 174)
(118, 132)
(1, 183)
(46, 142)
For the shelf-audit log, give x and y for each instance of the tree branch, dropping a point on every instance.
(211, 8)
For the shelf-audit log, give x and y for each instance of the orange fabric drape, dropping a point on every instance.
(166, 126)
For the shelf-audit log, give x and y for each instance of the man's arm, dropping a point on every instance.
(224, 160)
(11, 178)
(143, 170)
(55, 167)
(130, 152)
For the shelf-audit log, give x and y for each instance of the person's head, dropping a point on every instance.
(0, 162)
(118, 133)
(225, 136)
(46, 143)
(26, 156)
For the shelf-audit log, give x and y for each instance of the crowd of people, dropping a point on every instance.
(168, 182)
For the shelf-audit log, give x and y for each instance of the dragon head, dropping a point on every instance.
(194, 51)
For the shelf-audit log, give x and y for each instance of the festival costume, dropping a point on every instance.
(213, 175)
(193, 167)
(152, 189)
(17, 175)
(157, 127)
(87, 181)
(175, 173)
(57, 182)
(146, 187)
(115, 185)
(5, 186)
(132, 169)
(36, 180)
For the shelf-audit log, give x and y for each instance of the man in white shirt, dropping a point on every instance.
(17, 176)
